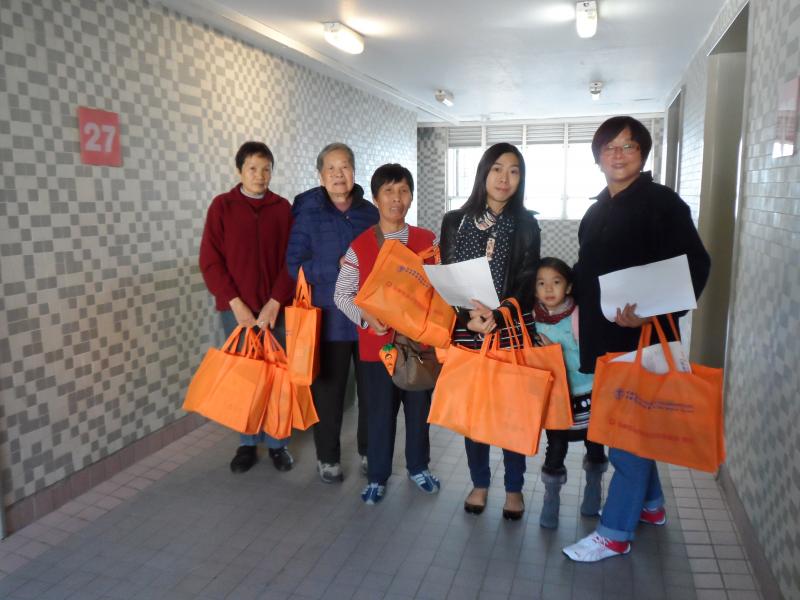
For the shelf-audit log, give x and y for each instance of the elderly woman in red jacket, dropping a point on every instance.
(243, 261)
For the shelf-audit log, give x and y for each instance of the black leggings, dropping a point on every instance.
(557, 444)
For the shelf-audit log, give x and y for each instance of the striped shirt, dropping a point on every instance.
(470, 339)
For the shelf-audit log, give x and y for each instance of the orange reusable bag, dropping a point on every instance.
(398, 292)
(549, 358)
(230, 386)
(674, 417)
(303, 323)
(489, 400)
(281, 397)
(304, 415)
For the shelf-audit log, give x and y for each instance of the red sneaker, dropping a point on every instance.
(653, 517)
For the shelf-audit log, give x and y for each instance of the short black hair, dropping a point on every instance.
(558, 265)
(390, 173)
(253, 149)
(476, 203)
(612, 127)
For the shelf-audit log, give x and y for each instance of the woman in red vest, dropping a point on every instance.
(392, 191)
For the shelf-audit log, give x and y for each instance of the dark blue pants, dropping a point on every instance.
(478, 461)
(383, 403)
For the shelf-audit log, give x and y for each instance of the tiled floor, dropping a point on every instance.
(180, 525)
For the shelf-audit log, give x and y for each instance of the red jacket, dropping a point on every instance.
(243, 250)
(366, 248)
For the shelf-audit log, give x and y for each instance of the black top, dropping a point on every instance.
(520, 269)
(644, 223)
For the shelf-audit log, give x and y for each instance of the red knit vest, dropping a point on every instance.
(366, 248)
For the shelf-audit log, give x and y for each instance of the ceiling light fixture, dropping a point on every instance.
(343, 38)
(586, 18)
(595, 88)
(444, 97)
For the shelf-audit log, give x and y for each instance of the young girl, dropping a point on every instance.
(556, 317)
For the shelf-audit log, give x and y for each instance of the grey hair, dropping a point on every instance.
(332, 148)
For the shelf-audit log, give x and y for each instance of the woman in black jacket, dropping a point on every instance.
(634, 221)
(494, 223)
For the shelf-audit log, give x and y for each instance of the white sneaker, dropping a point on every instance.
(330, 472)
(595, 547)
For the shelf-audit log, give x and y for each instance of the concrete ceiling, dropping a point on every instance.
(502, 60)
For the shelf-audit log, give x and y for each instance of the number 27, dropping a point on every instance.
(95, 131)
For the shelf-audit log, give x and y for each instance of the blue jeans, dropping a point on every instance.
(634, 486)
(478, 461)
(229, 324)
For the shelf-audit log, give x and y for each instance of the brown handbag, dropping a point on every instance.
(416, 368)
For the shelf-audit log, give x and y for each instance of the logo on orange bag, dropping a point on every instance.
(389, 357)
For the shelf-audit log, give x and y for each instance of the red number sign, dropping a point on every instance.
(99, 133)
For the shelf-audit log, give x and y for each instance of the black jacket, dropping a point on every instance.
(644, 223)
(520, 272)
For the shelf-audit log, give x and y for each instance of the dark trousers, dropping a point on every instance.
(557, 445)
(384, 399)
(328, 390)
(478, 461)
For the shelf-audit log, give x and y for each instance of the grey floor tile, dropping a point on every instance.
(203, 533)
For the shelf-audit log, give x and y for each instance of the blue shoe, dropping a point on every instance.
(373, 493)
(426, 481)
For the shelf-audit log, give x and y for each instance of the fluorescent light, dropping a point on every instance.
(586, 18)
(444, 97)
(343, 38)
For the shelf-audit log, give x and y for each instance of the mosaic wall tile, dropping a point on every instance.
(762, 379)
(103, 312)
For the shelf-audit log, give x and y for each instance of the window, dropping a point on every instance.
(461, 166)
(561, 176)
(585, 179)
(544, 179)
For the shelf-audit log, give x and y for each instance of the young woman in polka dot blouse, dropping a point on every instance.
(494, 223)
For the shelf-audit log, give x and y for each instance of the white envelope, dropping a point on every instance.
(657, 288)
(653, 358)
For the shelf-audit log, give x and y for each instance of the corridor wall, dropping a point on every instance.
(762, 375)
(104, 314)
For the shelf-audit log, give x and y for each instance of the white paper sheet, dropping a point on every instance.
(653, 358)
(656, 288)
(460, 283)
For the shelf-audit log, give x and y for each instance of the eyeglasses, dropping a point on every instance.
(626, 149)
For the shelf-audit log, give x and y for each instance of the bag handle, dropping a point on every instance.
(273, 351)
(302, 295)
(515, 342)
(432, 252)
(526, 337)
(647, 330)
(493, 338)
(251, 348)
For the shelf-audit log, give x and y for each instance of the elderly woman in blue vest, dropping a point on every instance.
(326, 219)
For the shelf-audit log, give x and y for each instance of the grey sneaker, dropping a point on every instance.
(364, 465)
(330, 473)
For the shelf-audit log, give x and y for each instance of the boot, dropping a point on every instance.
(593, 492)
(552, 499)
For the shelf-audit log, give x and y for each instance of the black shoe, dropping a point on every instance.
(281, 458)
(245, 458)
